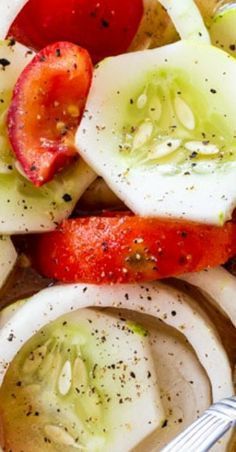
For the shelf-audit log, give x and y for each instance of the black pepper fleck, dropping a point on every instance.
(165, 423)
(105, 23)
(11, 42)
(4, 63)
(67, 197)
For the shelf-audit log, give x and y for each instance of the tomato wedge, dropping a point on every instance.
(125, 248)
(104, 27)
(46, 108)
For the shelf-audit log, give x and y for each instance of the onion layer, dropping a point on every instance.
(219, 286)
(173, 307)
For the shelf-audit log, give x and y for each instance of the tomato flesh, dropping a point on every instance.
(46, 109)
(123, 249)
(104, 27)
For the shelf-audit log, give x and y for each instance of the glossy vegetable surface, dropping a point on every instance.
(104, 28)
(24, 207)
(48, 101)
(159, 127)
(130, 248)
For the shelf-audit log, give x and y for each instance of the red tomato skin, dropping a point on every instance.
(130, 249)
(104, 27)
(46, 108)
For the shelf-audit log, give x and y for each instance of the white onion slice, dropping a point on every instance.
(184, 387)
(187, 19)
(9, 9)
(8, 256)
(183, 382)
(7, 313)
(173, 307)
(218, 286)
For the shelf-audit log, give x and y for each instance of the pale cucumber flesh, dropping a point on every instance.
(84, 377)
(162, 132)
(223, 28)
(170, 122)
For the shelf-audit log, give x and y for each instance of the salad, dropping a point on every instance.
(117, 221)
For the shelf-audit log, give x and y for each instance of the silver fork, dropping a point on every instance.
(207, 430)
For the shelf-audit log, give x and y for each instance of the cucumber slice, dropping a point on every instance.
(159, 127)
(157, 300)
(8, 258)
(80, 383)
(223, 28)
(153, 301)
(184, 386)
(24, 207)
(187, 19)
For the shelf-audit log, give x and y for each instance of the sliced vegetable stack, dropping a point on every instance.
(143, 130)
(151, 133)
(25, 207)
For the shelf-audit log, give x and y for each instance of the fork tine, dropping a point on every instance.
(209, 434)
(191, 435)
(230, 401)
(192, 432)
(225, 409)
(211, 437)
(207, 430)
